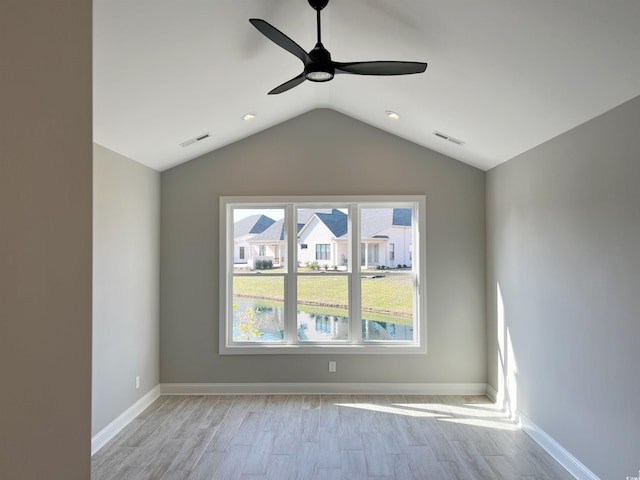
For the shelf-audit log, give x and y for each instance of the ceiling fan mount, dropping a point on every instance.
(318, 4)
(318, 66)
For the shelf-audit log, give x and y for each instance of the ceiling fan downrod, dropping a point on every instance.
(320, 68)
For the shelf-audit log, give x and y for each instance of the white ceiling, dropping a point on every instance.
(503, 75)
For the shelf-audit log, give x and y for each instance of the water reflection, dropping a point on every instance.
(268, 322)
(325, 327)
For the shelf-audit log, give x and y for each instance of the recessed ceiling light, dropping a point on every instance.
(249, 116)
(392, 115)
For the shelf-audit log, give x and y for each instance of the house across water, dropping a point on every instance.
(385, 239)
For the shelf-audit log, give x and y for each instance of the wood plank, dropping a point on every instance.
(233, 462)
(260, 454)
(160, 462)
(208, 466)
(192, 449)
(475, 463)
(376, 459)
(354, 465)
(283, 467)
(248, 429)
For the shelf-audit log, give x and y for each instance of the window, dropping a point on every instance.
(323, 251)
(290, 298)
(241, 253)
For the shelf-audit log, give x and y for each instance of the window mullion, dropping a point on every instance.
(228, 286)
(355, 289)
(290, 275)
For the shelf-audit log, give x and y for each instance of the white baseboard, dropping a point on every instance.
(323, 388)
(111, 430)
(492, 393)
(557, 451)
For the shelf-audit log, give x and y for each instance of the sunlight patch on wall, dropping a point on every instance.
(507, 366)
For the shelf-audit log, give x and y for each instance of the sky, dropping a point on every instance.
(273, 213)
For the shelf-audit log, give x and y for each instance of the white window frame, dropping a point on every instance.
(291, 345)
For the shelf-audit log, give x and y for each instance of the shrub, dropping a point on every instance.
(263, 264)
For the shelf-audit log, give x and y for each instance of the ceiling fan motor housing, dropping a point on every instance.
(320, 68)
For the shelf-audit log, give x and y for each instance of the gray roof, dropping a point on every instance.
(304, 214)
(252, 224)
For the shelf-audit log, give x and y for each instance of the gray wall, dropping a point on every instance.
(323, 153)
(126, 256)
(45, 239)
(563, 224)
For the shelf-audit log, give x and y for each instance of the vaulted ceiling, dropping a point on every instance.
(503, 75)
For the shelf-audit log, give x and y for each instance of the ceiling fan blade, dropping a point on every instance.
(380, 68)
(288, 85)
(279, 38)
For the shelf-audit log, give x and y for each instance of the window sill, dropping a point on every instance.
(316, 349)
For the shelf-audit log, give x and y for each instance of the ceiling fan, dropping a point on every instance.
(318, 66)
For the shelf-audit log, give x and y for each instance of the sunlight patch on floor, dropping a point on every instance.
(476, 415)
(392, 409)
(478, 422)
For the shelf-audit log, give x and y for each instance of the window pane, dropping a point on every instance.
(322, 239)
(387, 307)
(323, 308)
(258, 239)
(258, 309)
(385, 238)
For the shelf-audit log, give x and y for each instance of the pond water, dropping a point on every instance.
(315, 324)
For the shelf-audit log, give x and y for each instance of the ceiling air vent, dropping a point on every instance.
(444, 136)
(195, 139)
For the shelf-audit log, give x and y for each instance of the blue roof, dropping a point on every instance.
(402, 217)
(374, 220)
(336, 221)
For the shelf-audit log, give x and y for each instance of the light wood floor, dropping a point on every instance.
(323, 437)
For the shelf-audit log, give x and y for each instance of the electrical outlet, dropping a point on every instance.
(332, 366)
(137, 381)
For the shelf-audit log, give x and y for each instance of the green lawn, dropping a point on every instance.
(390, 294)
